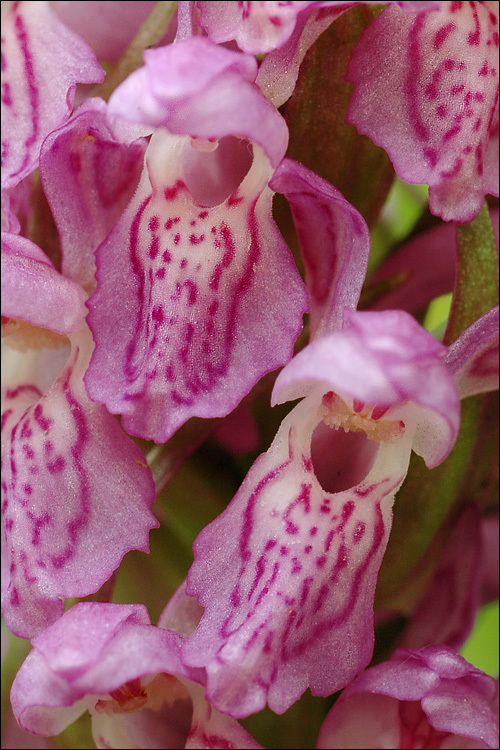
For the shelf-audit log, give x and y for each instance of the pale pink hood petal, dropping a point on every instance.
(384, 358)
(473, 357)
(196, 87)
(68, 473)
(334, 242)
(42, 61)
(34, 291)
(197, 293)
(458, 704)
(89, 174)
(426, 90)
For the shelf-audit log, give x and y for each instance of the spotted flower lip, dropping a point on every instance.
(435, 107)
(309, 525)
(42, 62)
(431, 694)
(110, 660)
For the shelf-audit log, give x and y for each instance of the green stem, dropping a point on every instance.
(476, 283)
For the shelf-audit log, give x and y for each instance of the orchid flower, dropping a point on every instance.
(426, 90)
(430, 697)
(310, 522)
(109, 660)
(209, 298)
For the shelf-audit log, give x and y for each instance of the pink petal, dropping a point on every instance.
(89, 176)
(198, 88)
(426, 90)
(257, 27)
(456, 699)
(69, 472)
(34, 291)
(473, 357)
(385, 359)
(334, 242)
(194, 304)
(295, 577)
(42, 61)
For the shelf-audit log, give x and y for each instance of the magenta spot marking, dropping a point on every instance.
(154, 224)
(28, 489)
(160, 273)
(28, 451)
(213, 230)
(313, 531)
(75, 162)
(441, 35)
(157, 314)
(320, 561)
(177, 238)
(48, 446)
(203, 215)
(57, 465)
(329, 540)
(454, 170)
(196, 239)
(359, 532)
(233, 200)
(284, 550)
(457, 89)
(14, 598)
(483, 71)
(449, 64)
(171, 193)
(26, 432)
(306, 586)
(452, 132)
(356, 405)
(154, 247)
(192, 223)
(42, 421)
(270, 544)
(166, 256)
(478, 96)
(475, 36)
(347, 511)
(296, 566)
(431, 92)
(9, 524)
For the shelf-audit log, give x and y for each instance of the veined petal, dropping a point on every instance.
(386, 359)
(34, 291)
(69, 472)
(473, 357)
(295, 577)
(334, 242)
(89, 176)
(42, 61)
(426, 89)
(208, 298)
(198, 88)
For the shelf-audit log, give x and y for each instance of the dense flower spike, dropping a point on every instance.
(68, 473)
(109, 659)
(426, 89)
(159, 252)
(42, 61)
(426, 698)
(314, 514)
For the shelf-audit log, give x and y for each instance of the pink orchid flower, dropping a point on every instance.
(430, 697)
(109, 660)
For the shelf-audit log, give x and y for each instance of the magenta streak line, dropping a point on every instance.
(22, 37)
